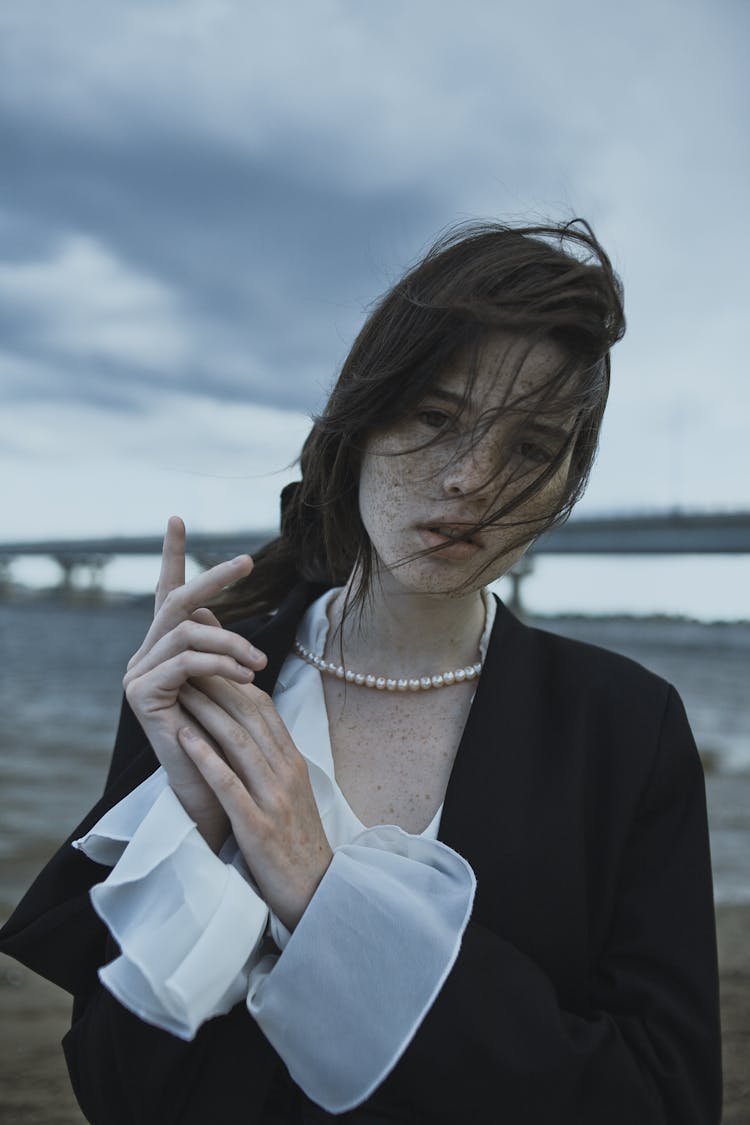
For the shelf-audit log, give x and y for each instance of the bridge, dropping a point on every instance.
(646, 533)
(204, 548)
(652, 533)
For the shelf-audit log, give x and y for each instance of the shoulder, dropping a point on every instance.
(595, 715)
(599, 709)
(578, 667)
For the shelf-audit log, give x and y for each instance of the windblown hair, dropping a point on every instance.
(533, 284)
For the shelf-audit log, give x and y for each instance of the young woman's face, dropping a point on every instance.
(411, 499)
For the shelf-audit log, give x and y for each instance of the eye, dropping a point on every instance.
(434, 419)
(533, 451)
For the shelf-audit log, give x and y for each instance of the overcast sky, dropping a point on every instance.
(199, 200)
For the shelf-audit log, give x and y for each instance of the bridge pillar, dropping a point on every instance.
(6, 581)
(67, 565)
(96, 565)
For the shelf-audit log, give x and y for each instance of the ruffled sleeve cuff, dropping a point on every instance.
(187, 923)
(364, 964)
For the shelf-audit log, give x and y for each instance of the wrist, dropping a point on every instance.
(290, 913)
(212, 822)
(215, 834)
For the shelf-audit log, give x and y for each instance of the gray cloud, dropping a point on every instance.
(203, 203)
(267, 265)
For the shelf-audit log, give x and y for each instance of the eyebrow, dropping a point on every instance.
(554, 433)
(447, 396)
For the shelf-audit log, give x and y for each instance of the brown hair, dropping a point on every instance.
(538, 283)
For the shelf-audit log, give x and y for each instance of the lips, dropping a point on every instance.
(450, 540)
(456, 532)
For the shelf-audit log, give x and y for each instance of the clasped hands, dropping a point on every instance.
(226, 752)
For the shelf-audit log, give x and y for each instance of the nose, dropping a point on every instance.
(473, 470)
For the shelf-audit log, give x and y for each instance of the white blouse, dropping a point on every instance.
(342, 996)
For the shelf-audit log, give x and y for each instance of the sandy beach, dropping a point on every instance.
(34, 1088)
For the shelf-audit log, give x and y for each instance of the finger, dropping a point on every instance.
(232, 794)
(189, 635)
(238, 744)
(205, 617)
(182, 601)
(172, 573)
(185, 717)
(156, 690)
(254, 711)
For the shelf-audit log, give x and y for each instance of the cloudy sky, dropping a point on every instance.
(199, 200)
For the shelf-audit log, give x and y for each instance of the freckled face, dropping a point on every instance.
(411, 499)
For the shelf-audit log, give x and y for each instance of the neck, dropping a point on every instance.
(405, 633)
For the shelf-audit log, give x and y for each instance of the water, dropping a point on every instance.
(62, 668)
(709, 664)
(710, 667)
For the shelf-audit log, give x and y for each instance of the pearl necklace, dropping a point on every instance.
(386, 683)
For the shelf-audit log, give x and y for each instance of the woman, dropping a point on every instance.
(378, 849)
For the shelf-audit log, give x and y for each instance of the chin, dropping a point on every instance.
(433, 578)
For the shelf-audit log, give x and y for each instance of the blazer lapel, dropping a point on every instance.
(513, 806)
(483, 770)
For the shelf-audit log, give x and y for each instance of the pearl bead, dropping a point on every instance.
(383, 683)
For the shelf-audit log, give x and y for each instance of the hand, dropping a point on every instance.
(263, 784)
(186, 640)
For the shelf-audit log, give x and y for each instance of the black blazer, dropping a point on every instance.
(585, 991)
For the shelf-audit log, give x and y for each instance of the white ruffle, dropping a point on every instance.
(187, 923)
(365, 963)
(354, 980)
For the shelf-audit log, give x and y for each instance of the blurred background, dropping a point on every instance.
(198, 203)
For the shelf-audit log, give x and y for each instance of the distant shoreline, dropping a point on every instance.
(18, 594)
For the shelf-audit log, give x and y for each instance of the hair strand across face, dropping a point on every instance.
(549, 284)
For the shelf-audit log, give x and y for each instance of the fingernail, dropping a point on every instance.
(241, 560)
